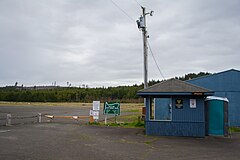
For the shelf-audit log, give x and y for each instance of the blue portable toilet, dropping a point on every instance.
(216, 116)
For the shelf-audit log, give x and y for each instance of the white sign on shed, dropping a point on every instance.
(193, 103)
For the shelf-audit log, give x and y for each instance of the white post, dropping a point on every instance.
(8, 123)
(105, 120)
(39, 117)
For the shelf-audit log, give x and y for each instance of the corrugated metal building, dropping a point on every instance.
(224, 84)
(175, 108)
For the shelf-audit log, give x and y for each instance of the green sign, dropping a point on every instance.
(111, 108)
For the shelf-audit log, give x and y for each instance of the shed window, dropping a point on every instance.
(152, 109)
(161, 109)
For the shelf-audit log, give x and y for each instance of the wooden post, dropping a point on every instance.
(91, 120)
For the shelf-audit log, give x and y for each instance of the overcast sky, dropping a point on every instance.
(94, 42)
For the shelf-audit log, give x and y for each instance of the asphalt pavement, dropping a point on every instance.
(72, 140)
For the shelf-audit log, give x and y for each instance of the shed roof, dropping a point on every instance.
(174, 87)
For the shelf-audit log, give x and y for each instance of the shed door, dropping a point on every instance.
(215, 118)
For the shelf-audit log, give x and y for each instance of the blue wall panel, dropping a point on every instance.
(175, 128)
(234, 108)
(188, 114)
(224, 81)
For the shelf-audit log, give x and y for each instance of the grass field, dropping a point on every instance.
(73, 104)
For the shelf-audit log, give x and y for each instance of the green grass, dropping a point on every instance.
(234, 129)
(133, 110)
(148, 142)
(94, 123)
(134, 124)
(128, 121)
(128, 125)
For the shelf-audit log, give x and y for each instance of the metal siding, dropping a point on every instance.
(234, 108)
(188, 114)
(226, 81)
(175, 129)
(226, 125)
(225, 84)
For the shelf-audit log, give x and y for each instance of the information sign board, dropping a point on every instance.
(179, 103)
(96, 105)
(193, 103)
(111, 108)
(95, 114)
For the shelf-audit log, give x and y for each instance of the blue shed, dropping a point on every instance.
(175, 108)
(224, 84)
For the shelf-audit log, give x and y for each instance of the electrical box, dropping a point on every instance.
(142, 25)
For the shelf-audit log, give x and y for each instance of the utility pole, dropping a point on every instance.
(145, 49)
(142, 25)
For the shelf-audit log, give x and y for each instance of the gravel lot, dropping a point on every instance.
(69, 140)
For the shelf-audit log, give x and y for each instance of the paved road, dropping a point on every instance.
(69, 139)
(58, 141)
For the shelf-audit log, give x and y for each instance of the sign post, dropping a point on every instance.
(111, 109)
(95, 111)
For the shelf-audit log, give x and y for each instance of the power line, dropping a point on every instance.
(147, 41)
(122, 10)
(141, 5)
(138, 3)
(155, 60)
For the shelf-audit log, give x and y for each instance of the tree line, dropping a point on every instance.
(75, 94)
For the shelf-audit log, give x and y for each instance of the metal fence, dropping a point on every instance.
(10, 119)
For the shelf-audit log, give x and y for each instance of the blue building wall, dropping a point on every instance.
(188, 114)
(185, 122)
(171, 128)
(224, 84)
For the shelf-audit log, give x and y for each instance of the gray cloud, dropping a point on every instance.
(95, 43)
